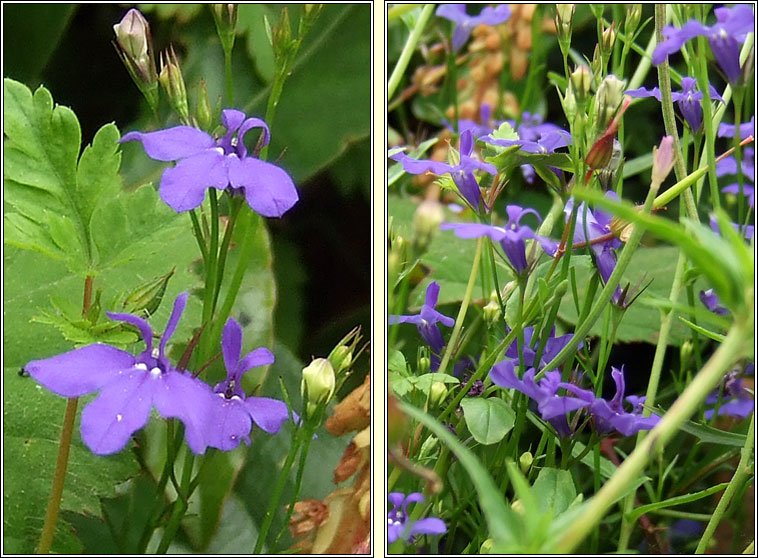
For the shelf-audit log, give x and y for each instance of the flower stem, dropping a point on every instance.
(739, 476)
(410, 46)
(229, 76)
(737, 342)
(64, 448)
(464, 307)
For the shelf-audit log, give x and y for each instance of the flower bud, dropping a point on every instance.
(204, 110)
(607, 174)
(317, 384)
(492, 312)
(424, 364)
(580, 81)
(685, 354)
(564, 18)
(426, 223)
(437, 393)
(632, 20)
(135, 48)
(608, 39)
(569, 103)
(487, 546)
(525, 461)
(225, 16)
(173, 83)
(341, 358)
(146, 298)
(663, 161)
(518, 507)
(609, 97)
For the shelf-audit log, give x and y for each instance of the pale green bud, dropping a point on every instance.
(426, 223)
(492, 312)
(609, 97)
(685, 353)
(135, 48)
(632, 20)
(437, 393)
(225, 16)
(581, 80)
(525, 461)
(564, 19)
(518, 507)
(318, 383)
(146, 298)
(204, 110)
(173, 83)
(608, 39)
(569, 103)
(424, 364)
(341, 358)
(487, 547)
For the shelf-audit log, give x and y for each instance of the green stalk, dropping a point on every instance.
(64, 448)
(464, 307)
(407, 52)
(298, 484)
(737, 343)
(710, 149)
(739, 476)
(229, 76)
(236, 205)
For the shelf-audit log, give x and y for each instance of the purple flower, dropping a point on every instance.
(129, 387)
(511, 237)
(232, 412)
(397, 519)
(549, 403)
(477, 130)
(204, 162)
(462, 173)
(737, 401)
(534, 137)
(426, 320)
(465, 23)
(611, 415)
(746, 129)
(725, 36)
(711, 302)
(745, 230)
(688, 99)
(728, 166)
(553, 345)
(597, 224)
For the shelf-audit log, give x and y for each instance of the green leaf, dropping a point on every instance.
(396, 362)
(488, 419)
(554, 490)
(250, 21)
(706, 332)
(675, 501)
(709, 435)
(425, 381)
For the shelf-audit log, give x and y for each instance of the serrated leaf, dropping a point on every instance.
(488, 419)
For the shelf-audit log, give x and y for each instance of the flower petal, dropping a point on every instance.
(420, 166)
(183, 187)
(229, 423)
(232, 119)
(144, 328)
(269, 190)
(248, 125)
(172, 144)
(429, 526)
(268, 414)
(231, 346)
(259, 357)
(122, 408)
(80, 371)
(188, 399)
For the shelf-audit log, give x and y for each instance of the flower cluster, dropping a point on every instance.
(130, 386)
(224, 164)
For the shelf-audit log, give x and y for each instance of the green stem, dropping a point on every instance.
(229, 76)
(464, 307)
(710, 149)
(295, 494)
(736, 344)
(739, 476)
(410, 46)
(236, 205)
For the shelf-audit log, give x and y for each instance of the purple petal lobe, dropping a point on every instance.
(80, 371)
(232, 119)
(173, 143)
(259, 357)
(230, 422)
(269, 190)
(231, 346)
(420, 166)
(122, 408)
(183, 187)
(248, 125)
(144, 328)
(268, 414)
(429, 526)
(179, 396)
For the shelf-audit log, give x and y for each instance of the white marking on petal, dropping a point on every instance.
(237, 397)
(119, 418)
(155, 372)
(139, 365)
(156, 352)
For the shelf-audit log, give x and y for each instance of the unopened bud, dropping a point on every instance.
(564, 18)
(317, 384)
(341, 358)
(610, 94)
(525, 461)
(204, 110)
(581, 80)
(607, 174)
(487, 547)
(146, 299)
(426, 223)
(437, 393)
(569, 103)
(281, 36)
(663, 161)
(492, 312)
(633, 15)
(225, 16)
(685, 354)
(173, 83)
(424, 364)
(135, 48)
(518, 507)
(608, 39)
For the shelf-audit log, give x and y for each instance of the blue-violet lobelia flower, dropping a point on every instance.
(465, 23)
(427, 319)
(398, 525)
(724, 36)
(591, 226)
(511, 237)
(549, 349)
(462, 173)
(129, 387)
(737, 400)
(746, 129)
(728, 166)
(688, 99)
(204, 162)
(232, 412)
(610, 415)
(747, 231)
(711, 302)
